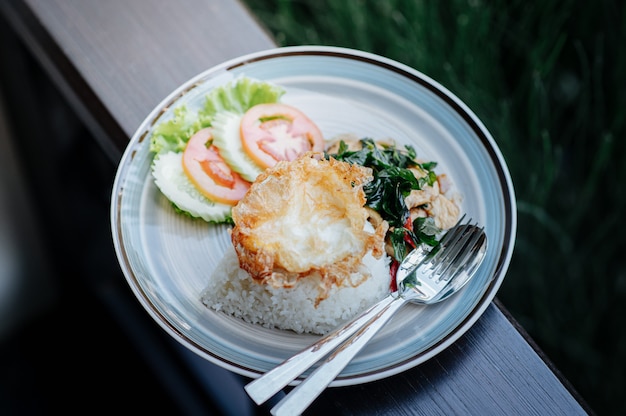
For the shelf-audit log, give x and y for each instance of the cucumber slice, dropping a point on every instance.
(226, 137)
(170, 178)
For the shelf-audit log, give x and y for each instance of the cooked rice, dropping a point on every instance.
(232, 291)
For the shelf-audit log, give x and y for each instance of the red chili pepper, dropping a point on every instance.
(409, 226)
(393, 270)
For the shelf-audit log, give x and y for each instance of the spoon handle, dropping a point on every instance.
(264, 387)
(303, 395)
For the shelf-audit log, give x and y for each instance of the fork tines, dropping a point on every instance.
(454, 248)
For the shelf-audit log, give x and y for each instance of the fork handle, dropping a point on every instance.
(264, 387)
(303, 395)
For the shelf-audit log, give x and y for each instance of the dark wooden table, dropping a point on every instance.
(115, 60)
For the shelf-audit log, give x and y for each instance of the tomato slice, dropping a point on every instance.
(274, 132)
(206, 169)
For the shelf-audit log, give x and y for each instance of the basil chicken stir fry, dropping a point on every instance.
(387, 192)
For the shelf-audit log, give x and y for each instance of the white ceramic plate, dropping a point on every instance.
(167, 258)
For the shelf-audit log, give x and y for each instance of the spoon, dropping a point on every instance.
(424, 277)
(439, 274)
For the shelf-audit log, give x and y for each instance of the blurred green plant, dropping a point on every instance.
(548, 79)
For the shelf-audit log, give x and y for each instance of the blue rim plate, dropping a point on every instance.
(167, 258)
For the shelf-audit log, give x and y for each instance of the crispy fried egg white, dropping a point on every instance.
(307, 218)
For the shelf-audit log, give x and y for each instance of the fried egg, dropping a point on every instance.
(307, 218)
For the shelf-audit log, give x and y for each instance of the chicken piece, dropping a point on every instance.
(353, 142)
(444, 211)
(430, 201)
(419, 197)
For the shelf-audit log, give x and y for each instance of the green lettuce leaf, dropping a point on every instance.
(240, 95)
(173, 135)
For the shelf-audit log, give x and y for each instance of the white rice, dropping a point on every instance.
(232, 291)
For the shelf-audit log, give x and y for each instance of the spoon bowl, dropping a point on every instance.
(435, 276)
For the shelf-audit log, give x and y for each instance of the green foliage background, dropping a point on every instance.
(548, 79)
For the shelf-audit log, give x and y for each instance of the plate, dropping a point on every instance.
(168, 258)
